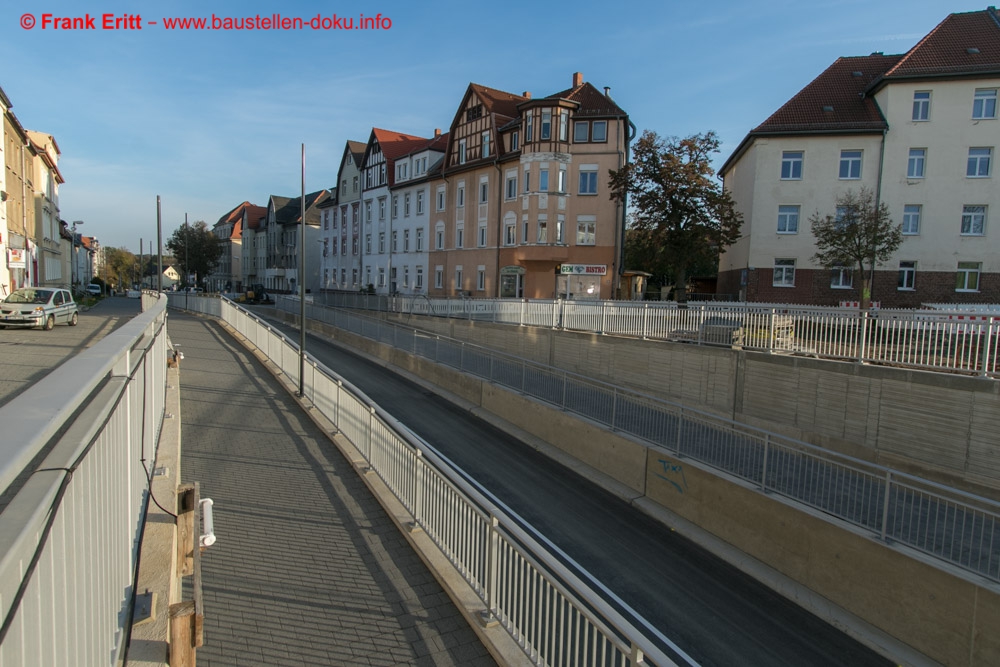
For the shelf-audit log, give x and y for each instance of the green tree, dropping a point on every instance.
(196, 248)
(861, 235)
(119, 267)
(682, 216)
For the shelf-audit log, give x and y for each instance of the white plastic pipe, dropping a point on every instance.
(208, 536)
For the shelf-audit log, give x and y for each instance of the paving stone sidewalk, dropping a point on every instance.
(308, 569)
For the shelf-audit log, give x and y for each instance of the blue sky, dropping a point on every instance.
(207, 119)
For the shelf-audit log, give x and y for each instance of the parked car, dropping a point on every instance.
(38, 307)
(94, 289)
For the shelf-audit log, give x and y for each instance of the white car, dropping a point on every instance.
(94, 289)
(38, 307)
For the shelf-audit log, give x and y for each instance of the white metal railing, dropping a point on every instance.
(70, 523)
(548, 609)
(956, 527)
(959, 339)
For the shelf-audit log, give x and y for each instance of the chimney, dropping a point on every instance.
(577, 79)
(437, 132)
(526, 94)
(607, 92)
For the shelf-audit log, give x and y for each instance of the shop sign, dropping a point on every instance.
(512, 271)
(584, 269)
(16, 258)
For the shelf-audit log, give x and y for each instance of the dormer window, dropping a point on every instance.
(514, 140)
(474, 112)
(486, 144)
(461, 151)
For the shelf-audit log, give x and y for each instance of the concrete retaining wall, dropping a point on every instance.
(948, 615)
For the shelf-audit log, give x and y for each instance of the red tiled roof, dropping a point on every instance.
(946, 49)
(396, 144)
(834, 101)
(497, 101)
(592, 101)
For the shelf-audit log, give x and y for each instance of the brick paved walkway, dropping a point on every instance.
(308, 569)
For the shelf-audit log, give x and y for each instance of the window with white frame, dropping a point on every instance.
(788, 219)
(515, 140)
(420, 239)
(406, 205)
(545, 131)
(458, 278)
(401, 171)
(481, 278)
(395, 239)
(406, 276)
(420, 202)
(922, 105)
(343, 273)
(563, 125)
(381, 208)
(460, 235)
(406, 240)
(486, 144)
(907, 276)
(354, 245)
(460, 196)
(368, 210)
(561, 182)
(560, 229)
(418, 281)
(791, 165)
(543, 229)
(967, 276)
(911, 219)
(524, 228)
(984, 103)
(368, 275)
(543, 180)
(354, 276)
(439, 276)
(395, 206)
(916, 162)
(510, 190)
(381, 277)
(850, 165)
(978, 165)
(510, 229)
(461, 151)
(599, 131)
(581, 132)
(392, 277)
(368, 244)
(586, 229)
(482, 235)
(440, 199)
(484, 192)
(973, 220)
(588, 179)
(841, 277)
(528, 125)
(381, 243)
(439, 236)
(527, 180)
(784, 273)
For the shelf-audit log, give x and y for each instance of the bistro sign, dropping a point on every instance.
(512, 271)
(584, 269)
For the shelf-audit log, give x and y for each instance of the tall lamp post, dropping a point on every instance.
(302, 280)
(74, 256)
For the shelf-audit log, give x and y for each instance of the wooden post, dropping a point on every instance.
(182, 631)
(186, 538)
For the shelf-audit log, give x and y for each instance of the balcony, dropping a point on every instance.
(541, 252)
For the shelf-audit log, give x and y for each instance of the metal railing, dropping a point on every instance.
(549, 610)
(958, 340)
(951, 525)
(75, 460)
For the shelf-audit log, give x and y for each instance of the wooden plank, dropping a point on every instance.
(181, 634)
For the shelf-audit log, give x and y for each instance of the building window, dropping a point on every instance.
(461, 151)
(546, 128)
(791, 165)
(354, 276)
(527, 180)
(979, 162)
(841, 278)
(586, 230)
(460, 197)
(406, 276)
(440, 199)
(438, 277)
(406, 205)
(482, 236)
(406, 240)
(401, 171)
(543, 180)
(560, 226)
(922, 105)
(984, 104)
(484, 192)
(381, 243)
(581, 131)
(563, 125)
(458, 278)
(524, 228)
(354, 245)
(439, 236)
(381, 277)
(973, 220)
(588, 181)
(911, 219)
(343, 272)
(355, 189)
(395, 206)
(368, 244)
(915, 164)
(784, 273)
(368, 275)
(460, 236)
(907, 276)
(510, 231)
(420, 239)
(528, 125)
(788, 219)
(511, 190)
(368, 211)
(419, 280)
(514, 140)
(420, 202)
(561, 183)
(395, 244)
(599, 131)
(850, 165)
(543, 230)
(967, 277)
(486, 144)
(381, 208)
(481, 278)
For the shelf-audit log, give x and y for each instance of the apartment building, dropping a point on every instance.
(342, 241)
(50, 249)
(920, 130)
(228, 273)
(522, 207)
(281, 232)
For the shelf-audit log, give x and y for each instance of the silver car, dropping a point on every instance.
(38, 307)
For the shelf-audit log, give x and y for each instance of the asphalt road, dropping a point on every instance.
(28, 355)
(715, 613)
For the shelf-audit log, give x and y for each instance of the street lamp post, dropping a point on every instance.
(74, 256)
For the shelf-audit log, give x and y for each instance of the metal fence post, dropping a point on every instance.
(524, 304)
(863, 316)
(371, 431)
(985, 368)
(645, 320)
(885, 505)
(418, 487)
(492, 563)
(763, 472)
(770, 332)
(604, 317)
